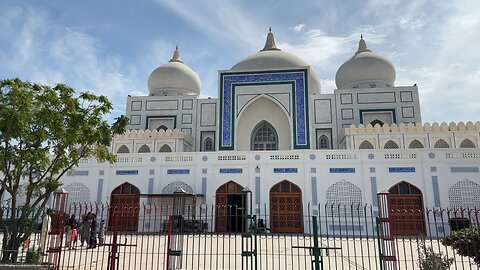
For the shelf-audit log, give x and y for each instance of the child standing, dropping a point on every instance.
(101, 233)
(72, 237)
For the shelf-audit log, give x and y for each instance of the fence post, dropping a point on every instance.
(387, 249)
(316, 249)
(113, 250)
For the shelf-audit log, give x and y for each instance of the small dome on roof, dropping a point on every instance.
(272, 58)
(365, 69)
(174, 78)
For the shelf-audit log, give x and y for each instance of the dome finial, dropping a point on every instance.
(176, 56)
(362, 45)
(270, 43)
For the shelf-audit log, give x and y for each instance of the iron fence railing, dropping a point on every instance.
(141, 237)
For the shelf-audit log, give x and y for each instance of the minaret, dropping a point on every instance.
(176, 56)
(270, 43)
(362, 46)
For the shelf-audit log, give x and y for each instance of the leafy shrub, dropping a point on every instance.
(33, 257)
(465, 242)
(428, 259)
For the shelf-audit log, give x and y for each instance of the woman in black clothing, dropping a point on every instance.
(93, 232)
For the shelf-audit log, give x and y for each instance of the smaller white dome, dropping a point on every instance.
(174, 78)
(365, 69)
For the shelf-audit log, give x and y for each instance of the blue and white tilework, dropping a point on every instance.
(342, 170)
(127, 172)
(231, 170)
(285, 170)
(401, 169)
(178, 171)
(300, 96)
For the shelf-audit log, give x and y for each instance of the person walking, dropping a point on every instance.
(72, 237)
(46, 227)
(85, 231)
(101, 233)
(69, 225)
(93, 232)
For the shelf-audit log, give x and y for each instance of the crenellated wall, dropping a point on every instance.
(436, 135)
(153, 141)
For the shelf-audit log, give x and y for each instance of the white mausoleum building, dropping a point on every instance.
(272, 130)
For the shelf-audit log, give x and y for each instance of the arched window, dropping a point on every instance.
(165, 148)
(264, 137)
(323, 142)
(441, 144)
(390, 145)
(344, 198)
(464, 194)
(170, 188)
(144, 149)
(366, 145)
(126, 189)
(162, 127)
(415, 144)
(467, 144)
(78, 193)
(376, 121)
(167, 203)
(123, 150)
(208, 144)
(404, 188)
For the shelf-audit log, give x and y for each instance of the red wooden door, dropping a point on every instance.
(223, 211)
(125, 203)
(127, 208)
(286, 213)
(405, 203)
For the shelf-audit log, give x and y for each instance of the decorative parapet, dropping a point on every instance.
(155, 134)
(413, 128)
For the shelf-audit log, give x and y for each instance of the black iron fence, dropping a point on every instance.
(158, 237)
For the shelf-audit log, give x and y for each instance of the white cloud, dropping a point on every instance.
(299, 27)
(220, 20)
(45, 53)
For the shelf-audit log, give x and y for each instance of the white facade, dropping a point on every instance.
(272, 100)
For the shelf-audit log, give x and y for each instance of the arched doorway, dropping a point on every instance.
(406, 209)
(286, 212)
(125, 202)
(229, 207)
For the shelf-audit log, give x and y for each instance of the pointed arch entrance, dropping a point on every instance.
(406, 209)
(125, 202)
(229, 207)
(286, 211)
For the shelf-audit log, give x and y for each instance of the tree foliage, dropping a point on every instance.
(465, 242)
(44, 132)
(428, 259)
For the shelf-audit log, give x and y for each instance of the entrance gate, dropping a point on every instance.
(125, 203)
(229, 207)
(405, 203)
(286, 208)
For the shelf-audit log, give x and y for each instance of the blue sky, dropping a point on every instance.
(110, 47)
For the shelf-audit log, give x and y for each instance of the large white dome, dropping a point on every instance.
(174, 78)
(272, 58)
(365, 69)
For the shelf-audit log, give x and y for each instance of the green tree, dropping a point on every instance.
(466, 242)
(44, 132)
(428, 259)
